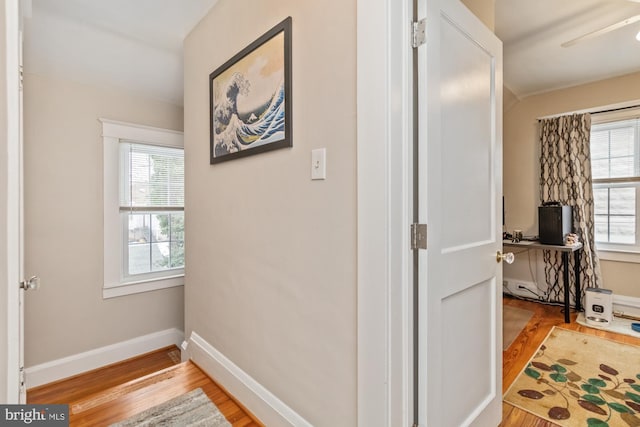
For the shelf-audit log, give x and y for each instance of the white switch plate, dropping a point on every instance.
(319, 163)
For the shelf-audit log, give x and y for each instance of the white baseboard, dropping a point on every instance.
(72, 365)
(270, 410)
(626, 305)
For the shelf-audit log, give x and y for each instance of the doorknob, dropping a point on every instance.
(509, 257)
(33, 283)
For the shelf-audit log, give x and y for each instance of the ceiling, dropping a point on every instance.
(132, 44)
(137, 44)
(533, 31)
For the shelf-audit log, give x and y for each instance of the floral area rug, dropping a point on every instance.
(576, 380)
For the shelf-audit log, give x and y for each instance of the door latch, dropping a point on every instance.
(32, 284)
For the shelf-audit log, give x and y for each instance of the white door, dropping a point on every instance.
(460, 193)
(32, 283)
(14, 391)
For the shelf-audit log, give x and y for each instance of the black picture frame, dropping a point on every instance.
(250, 98)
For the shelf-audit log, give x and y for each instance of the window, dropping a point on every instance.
(143, 208)
(615, 162)
(152, 209)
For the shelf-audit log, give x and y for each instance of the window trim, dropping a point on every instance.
(112, 133)
(618, 255)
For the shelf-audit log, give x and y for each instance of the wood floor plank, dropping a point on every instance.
(70, 389)
(117, 392)
(113, 393)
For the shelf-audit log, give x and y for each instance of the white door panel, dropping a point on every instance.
(14, 201)
(460, 188)
(472, 386)
(465, 114)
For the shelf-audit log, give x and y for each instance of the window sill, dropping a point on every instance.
(619, 256)
(130, 288)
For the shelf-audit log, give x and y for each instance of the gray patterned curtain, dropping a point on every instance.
(565, 176)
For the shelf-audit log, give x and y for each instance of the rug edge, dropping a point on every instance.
(553, 422)
(529, 361)
(522, 373)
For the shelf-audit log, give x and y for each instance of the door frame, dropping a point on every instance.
(11, 200)
(385, 210)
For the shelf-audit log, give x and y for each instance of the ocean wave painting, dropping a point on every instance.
(250, 98)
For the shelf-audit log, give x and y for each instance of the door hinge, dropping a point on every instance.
(22, 377)
(21, 72)
(418, 33)
(418, 236)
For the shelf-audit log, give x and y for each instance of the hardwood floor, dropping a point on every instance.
(116, 392)
(518, 354)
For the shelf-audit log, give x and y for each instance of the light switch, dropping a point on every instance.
(319, 163)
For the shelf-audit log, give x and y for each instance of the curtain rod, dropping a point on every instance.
(610, 110)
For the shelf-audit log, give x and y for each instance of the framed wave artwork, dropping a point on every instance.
(250, 98)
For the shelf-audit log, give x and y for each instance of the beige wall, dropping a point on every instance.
(63, 221)
(483, 9)
(509, 99)
(4, 339)
(521, 159)
(271, 255)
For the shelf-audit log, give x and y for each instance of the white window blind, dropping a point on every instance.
(614, 150)
(152, 177)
